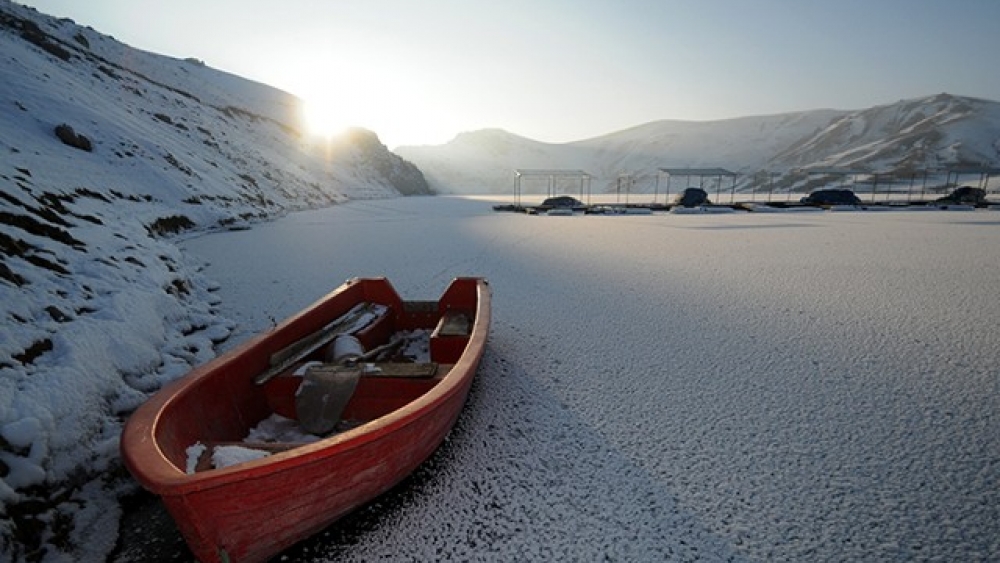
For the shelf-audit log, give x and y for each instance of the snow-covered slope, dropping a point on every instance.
(199, 132)
(932, 132)
(98, 307)
(736, 144)
(483, 162)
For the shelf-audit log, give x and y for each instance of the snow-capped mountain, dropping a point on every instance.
(933, 132)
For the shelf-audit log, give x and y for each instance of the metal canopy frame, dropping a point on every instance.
(984, 173)
(832, 171)
(841, 172)
(952, 176)
(700, 173)
(627, 180)
(553, 175)
(697, 172)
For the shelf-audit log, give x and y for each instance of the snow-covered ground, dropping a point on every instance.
(815, 386)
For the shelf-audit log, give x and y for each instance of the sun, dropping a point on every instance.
(325, 117)
(373, 89)
(393, 103)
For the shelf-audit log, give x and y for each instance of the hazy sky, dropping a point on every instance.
(421, 71)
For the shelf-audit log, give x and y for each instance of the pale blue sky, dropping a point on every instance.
(419, 72)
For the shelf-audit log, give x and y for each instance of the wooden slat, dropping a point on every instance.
(454, 324)
(385, 369)
(289, 355)
(397, 369)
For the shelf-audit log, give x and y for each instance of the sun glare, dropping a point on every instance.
(394, 103)
(324, 118)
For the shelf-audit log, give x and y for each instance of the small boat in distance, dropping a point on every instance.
(381, 380)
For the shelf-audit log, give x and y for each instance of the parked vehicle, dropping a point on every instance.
(837, 196)
(965, 195)
(563, 201)
(693, 197)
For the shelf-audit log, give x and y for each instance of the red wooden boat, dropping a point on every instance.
(398, 412)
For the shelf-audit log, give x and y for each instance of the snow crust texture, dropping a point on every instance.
(813, 386)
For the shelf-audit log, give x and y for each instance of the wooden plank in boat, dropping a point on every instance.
(386, 369)
(397, 369)
(454, 324)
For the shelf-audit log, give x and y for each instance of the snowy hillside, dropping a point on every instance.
(933, 132)
(739, 144)
(483, 162)
(107, 152)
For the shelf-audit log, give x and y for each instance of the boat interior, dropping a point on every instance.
(263, 377)
(389, 380)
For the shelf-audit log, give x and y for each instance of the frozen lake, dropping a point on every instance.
(818, 386)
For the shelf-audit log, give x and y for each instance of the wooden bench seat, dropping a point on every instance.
(384, 369)
(452, 323)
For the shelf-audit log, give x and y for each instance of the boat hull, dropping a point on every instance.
(252, 511)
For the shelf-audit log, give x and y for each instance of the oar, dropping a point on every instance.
(378, 350)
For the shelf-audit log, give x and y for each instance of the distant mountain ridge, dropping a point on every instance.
(932, 132)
